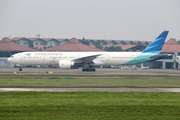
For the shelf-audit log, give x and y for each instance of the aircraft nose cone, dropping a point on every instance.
(9, 59)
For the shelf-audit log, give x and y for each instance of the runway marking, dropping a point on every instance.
(30, 89)
(92, 89)
(172, 90)
(14, 89)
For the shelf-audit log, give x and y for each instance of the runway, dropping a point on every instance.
(100, 89)
(100, 72)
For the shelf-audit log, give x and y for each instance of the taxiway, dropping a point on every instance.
(105, 72)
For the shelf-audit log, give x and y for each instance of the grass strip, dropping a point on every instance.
(89, 81)
(90, 105)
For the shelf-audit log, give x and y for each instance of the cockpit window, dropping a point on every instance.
(12, 56)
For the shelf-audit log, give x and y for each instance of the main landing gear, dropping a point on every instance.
(20, 68)
(88, 70)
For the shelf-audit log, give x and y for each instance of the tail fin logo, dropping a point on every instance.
(157, 44)
(29, 54)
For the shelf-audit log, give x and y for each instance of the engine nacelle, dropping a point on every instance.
(66, 64)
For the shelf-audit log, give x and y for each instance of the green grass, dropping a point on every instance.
(89, 81)
(90, 105)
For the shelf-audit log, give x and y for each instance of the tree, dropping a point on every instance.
(31, 45)
(86, 42)
(98, 44)
(118, 48)
(130, 50)
(137, 44)
(112, 48)
(142, 49)
(49, 46)
(178, 41)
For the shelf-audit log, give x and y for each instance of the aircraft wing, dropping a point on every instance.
(86, 59)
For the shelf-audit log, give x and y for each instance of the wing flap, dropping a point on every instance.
(86, 59)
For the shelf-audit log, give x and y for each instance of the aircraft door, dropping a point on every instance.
(43, 59)
(21, 58)
(108, 57)
(138, 58)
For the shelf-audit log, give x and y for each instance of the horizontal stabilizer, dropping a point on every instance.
(160, 55)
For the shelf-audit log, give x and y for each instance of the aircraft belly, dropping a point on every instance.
(116, 61)
(119, 61)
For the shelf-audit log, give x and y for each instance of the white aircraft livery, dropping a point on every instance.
(86, 60)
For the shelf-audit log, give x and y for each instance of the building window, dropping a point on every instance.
(36, 43)
(41, 43)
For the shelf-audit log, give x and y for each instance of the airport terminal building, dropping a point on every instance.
(9, 47)
(59, 41)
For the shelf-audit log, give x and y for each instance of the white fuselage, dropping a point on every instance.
(53, 58)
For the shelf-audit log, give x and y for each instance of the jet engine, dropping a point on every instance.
(66, 64)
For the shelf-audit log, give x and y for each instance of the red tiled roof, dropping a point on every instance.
(5, 40)
(94, 39)
(171, 41)
(145, 42)
(118, 41)
(17, 38)
(72, 45)
(42, 47)
(47, 39)
(60, 39)
(32, 39)
(7, 45)
(171, 46)
(123, 47)
(74, 40)
(108, 41)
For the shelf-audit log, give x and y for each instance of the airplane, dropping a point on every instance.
(87, 60)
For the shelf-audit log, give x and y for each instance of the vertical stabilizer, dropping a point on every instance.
(157, 44)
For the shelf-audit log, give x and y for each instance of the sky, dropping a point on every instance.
(141, 20)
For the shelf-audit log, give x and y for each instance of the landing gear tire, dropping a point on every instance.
(20, 69)
(88, 70)
(83, 70)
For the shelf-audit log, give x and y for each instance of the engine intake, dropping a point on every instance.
(66, 64)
